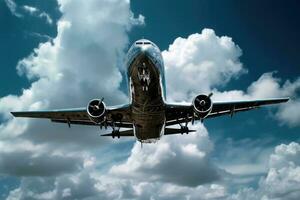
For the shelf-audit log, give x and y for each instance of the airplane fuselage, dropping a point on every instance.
(145, 70)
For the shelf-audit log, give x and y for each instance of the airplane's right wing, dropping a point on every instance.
(231, 107)
(180, 113)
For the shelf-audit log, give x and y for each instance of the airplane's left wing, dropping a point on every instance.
(181, 113)
(119, 115)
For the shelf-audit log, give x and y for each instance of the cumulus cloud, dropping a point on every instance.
(85, 185)
(282, 181)
(77, 186)
(203, 60)
(170, 161)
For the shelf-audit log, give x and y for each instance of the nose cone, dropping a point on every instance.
(143, 45)
(143, 41)
(143, 50)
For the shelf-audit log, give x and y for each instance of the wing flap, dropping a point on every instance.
(90, 123)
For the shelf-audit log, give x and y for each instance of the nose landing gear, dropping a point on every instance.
(144, 76)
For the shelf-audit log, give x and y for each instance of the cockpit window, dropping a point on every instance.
(141, 43)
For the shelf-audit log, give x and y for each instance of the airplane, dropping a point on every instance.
(148, 116)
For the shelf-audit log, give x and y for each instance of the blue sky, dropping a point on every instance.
(240, 151)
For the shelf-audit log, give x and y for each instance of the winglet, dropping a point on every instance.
(287, 99)
(281, 100)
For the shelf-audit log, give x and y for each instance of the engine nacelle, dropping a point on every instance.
(96, 110)
(202, 105)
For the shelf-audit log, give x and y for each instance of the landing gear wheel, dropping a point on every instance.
(184, 129)
(116, 133)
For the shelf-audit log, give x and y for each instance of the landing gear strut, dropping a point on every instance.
(185, 128)
(115, 131)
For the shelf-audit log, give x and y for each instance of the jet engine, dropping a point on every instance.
(96, 110)
(202, 105)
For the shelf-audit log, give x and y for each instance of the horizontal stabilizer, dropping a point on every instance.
(122, 133)
(168, 131)
(172, 131)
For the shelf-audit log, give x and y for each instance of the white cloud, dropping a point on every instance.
(137, 21)
(168, 160)
(282, 181)
(30, 9)
(12, 6)
(46, 16)
(33, 11)
(203, 61)
(79, 186)
(87, 185)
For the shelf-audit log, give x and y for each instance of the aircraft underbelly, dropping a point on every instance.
(148, 112)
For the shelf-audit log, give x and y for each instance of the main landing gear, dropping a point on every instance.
(115, 129)
(185, 128)
(115, 133)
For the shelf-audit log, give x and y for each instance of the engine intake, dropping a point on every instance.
(202, 105)
(96, 110)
